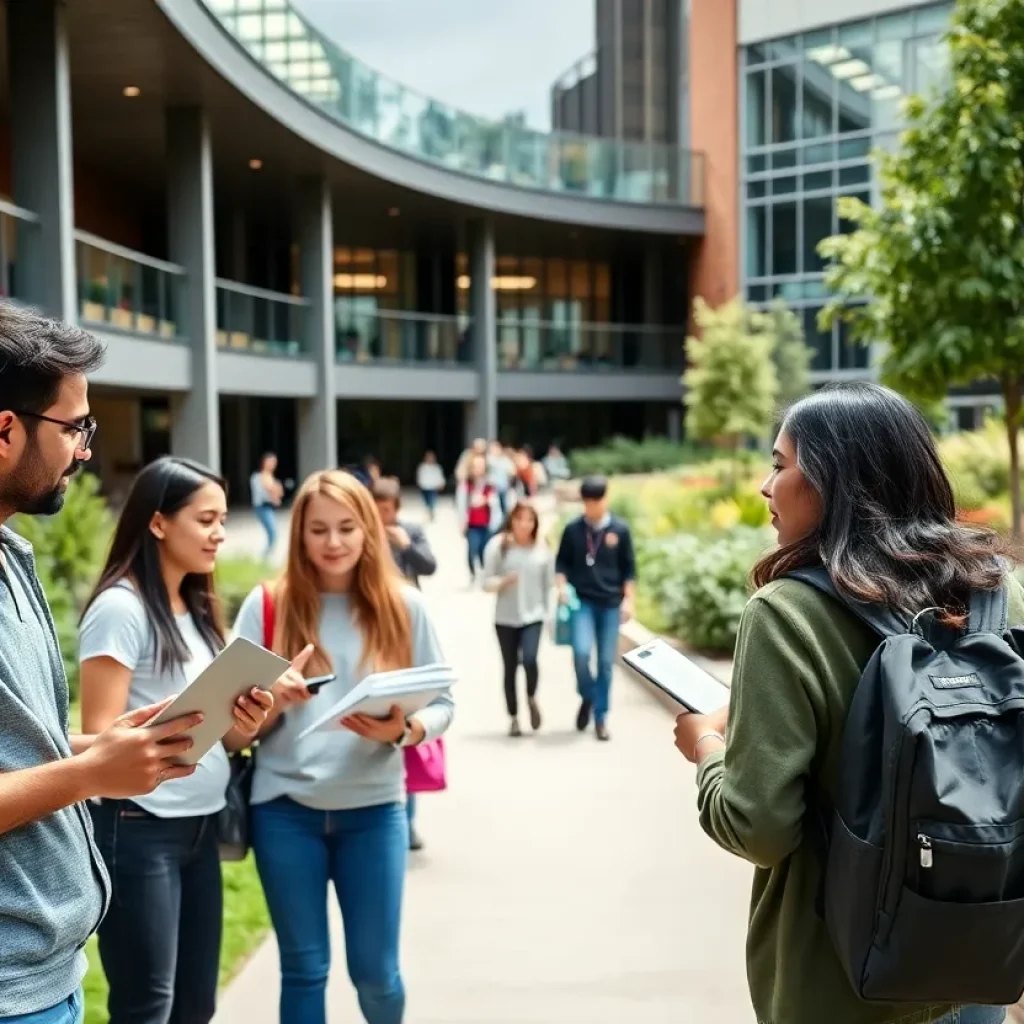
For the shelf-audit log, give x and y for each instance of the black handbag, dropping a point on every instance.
(233, 828)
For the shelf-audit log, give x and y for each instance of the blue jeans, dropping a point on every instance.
(476, 539)
(298, 851)
(410, 808)
(70, 1011)
(265, 514)
(974, 1015)
(594, 625)
(430, 500)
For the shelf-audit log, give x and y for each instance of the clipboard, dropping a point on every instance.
(235, 671)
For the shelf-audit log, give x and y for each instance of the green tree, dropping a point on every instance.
(731, 383)
(789, 350)
(936, 271)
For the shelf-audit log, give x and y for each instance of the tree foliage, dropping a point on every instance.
(936, 271)
(789, 350)
(731, 383)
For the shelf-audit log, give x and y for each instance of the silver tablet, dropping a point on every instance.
(683, 680)
(236, 670)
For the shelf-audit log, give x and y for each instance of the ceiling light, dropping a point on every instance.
(394, 211)
(849, 69)
(361, 282)
(502, 283)
(828, 54)
(131, 91)
(865, 82)
(255, 163)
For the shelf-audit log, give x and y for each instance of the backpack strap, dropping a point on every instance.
(988, 611)
(877, 617)
(269, 616)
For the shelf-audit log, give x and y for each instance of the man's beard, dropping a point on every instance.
(30, 502)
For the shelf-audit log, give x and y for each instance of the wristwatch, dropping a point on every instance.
(406, 737)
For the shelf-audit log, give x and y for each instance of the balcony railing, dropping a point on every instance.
(276, 35)
(397, 337)
(257, 320)
(127, 290)
(18, 230)
(549, 346)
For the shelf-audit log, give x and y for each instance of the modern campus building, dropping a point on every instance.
(284, 249)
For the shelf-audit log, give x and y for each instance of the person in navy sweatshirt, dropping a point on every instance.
(596, 558)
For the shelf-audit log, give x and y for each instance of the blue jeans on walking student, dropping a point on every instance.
(267, 519)
(595, 626)
(430, 500)
(67, 1011)
(363, 852)
(476, 540)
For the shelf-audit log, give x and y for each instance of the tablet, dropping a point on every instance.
(673, 673)
(236, 670)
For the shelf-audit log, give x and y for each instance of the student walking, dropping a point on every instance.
(856, 488)
(151, 626)
(267, 494)
(479, 511)
(430, 480)
(329, 807)
(519, 568)
(54, 887)
(596, 558)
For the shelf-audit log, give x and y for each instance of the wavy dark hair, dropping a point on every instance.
(165, 486)
(888, 532)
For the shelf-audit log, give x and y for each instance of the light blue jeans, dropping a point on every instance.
(70, 1011)
(595, 626)
(974, 1015)
(268, 520)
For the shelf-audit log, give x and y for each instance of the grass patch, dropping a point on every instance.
(246, 922)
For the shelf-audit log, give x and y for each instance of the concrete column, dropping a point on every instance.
(483, 308)
(318, 417)
(195, 427)
(41, 158)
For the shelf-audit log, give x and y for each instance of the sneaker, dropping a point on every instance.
(601, 731)
(583, 715)
(513, 729)
(415, 842)
(534, 715)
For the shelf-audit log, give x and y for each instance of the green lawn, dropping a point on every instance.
(246, 921)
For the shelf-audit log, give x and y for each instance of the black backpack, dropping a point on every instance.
(923, 892)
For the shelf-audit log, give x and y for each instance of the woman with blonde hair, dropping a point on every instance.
(329, 807)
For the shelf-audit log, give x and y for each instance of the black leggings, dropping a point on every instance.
(512, 639)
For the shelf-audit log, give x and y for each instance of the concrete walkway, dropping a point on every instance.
(563, 880)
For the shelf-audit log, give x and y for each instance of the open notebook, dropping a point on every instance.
(410, 688)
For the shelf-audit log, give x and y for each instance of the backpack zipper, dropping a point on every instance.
(927, 853)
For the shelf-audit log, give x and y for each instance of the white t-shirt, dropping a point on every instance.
(116, 626)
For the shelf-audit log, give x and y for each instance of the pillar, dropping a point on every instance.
(483, 422)
(41, 158)
(195, 426)
(318, 416)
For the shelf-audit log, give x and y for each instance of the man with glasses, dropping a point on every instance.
(53, 886)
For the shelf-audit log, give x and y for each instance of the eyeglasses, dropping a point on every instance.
(86, 426)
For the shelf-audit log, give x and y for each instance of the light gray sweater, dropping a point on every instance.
(526, 600)
(336, 771)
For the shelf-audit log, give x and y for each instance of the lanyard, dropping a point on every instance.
(592, 547)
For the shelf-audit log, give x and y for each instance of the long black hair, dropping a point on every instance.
(888, 531)
(165, 486)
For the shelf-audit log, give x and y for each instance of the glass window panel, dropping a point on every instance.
(783, 49)
(557, 279)
(932, 19)
(896, 26)
(819, 100)
(757, 241)
(814, 289)
(817, 226)
(791, 291)
(756, 164)
(757, 293)
(756, 54)
(820, 153)
(783, 238)
(859, 175)
(756, 107)
(757, 189)
(818, 341)
(817, 180)
(929, 70)
(783, 116)
(853, 355)
(784, 159)
(854, 149)
(857, 33)
(813, 42)
(888, 85)
(784, 185)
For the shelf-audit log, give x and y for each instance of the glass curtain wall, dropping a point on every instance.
(812, 108)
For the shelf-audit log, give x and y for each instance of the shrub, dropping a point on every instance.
(978, 461)
(236, 576)
(624, 455)
(699, 584)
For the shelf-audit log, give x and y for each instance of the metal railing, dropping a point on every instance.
(275, 34)
(19, 228)
(546, 345)
(128, 290)
(393, 336)
(257, 320)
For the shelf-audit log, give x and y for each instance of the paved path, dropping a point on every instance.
(563, 880)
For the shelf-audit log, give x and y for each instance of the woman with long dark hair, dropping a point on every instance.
(520, 568)
(151, 626)
(857, 488)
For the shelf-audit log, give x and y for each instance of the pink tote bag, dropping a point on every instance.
(424, 767)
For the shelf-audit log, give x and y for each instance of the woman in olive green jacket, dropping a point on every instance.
(856, 486)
